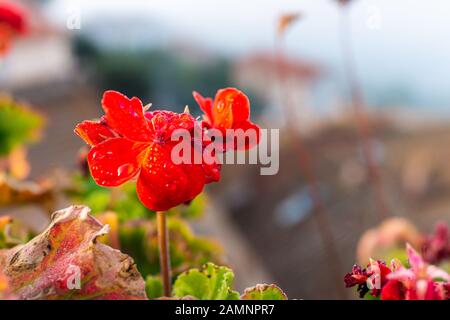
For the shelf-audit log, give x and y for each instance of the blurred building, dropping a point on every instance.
(41, 58)
(271, 78)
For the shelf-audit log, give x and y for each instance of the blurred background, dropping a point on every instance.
(302, 227)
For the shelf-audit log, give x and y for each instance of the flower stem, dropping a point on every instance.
(362, 116)
(305, 158)
(164, 257)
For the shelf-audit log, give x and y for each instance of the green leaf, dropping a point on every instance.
(18, 125)
(369, 296)
(264, 292)
(153, 287)
(210, 283)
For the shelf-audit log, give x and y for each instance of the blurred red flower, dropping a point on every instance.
(12, 23)
(229, 110)
(366, 279)
(436, 247)
(419, 282)
(127, 142)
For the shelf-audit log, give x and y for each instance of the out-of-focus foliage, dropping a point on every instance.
(66, 262)
(153, 287)
(5, 223)
(214, 282)
(4, 287)
(139, 239)
(18, 166)
(18, 124)
(12, 233)
(13, 192)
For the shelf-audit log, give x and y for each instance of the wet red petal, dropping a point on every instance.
(210, 164)
(126, 116)
(93, 132)
(162, 184)
(205, 105)
(212, 172)
(230, 106)
(114, 161)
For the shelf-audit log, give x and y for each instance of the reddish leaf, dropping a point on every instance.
(66, 262)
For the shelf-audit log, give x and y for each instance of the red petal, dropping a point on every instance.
(126, 116)
(210, 164)
(205, 105)
(114, 161)
(230, 106)
(93, 132)
(393, 290)
(163, 185)
(212, 172)
(247, 127)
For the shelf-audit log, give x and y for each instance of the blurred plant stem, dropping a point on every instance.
(306, 160)
(164, 256)
(361, 114)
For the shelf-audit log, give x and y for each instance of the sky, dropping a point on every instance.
(402, 47)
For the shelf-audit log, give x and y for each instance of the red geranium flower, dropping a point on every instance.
(229, 110)
(12, 24)
(127, 142)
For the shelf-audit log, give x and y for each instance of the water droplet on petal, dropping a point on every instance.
(125, 169)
